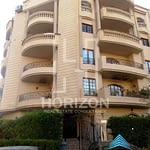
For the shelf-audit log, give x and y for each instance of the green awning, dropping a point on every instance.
(119, 142)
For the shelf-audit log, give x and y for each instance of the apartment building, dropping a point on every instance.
(88, 58)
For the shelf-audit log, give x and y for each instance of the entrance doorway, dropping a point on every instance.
(70, 126)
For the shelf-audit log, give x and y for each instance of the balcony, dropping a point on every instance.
(128, 98)
(1, 88)
(119, 68)
(43, 99)
(28, 4)
(40, 21)
(5, 52)
(4, 62)
(6, 45)
(9, 26)
(33, 45)
(1, 83)
(118, 42)
(33, 99)
(110, 15)
(1, 93)
(3, 67)
(123, 5)
(38, 72)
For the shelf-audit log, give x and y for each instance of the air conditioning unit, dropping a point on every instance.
(18, 8)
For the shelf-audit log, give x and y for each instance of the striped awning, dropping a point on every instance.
(119, 141)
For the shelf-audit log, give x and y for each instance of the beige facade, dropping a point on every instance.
(71, 53)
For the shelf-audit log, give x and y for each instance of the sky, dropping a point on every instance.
(7, 12)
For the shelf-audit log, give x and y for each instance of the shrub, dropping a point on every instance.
(7, 129)
(33, 125)
(39, 125)
(135, 129)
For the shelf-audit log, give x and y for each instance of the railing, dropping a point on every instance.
(42, 14)
(118, 11)
(121, 35)
(35, 95)
(37, 65)
(39, 36)
(124, 62)
(143, 93)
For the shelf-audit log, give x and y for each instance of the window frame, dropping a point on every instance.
(87, 59)
(89, 86)
(88, 28)
(145, 42)
(148, 66)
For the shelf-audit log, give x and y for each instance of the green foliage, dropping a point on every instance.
(42, 144)
(135, 129)
(7, 129)
(32, 127)
(39, 125)
(145, 93)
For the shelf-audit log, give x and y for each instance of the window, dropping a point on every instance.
(86, 6)
(148, 66)
(141, 22)
(88, 56)
(115, 90)
(87, 28)
(89, 86)
(145, 42)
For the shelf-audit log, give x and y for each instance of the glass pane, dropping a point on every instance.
(91, 54)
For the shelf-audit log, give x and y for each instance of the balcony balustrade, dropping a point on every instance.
(34, 95)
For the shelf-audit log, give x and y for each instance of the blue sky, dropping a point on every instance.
(7, 12)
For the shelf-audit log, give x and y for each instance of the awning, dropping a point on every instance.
(119, 141)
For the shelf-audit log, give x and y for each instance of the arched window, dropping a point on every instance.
(86, 6)
(115, 90)
(141, 22)
(112, 61)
